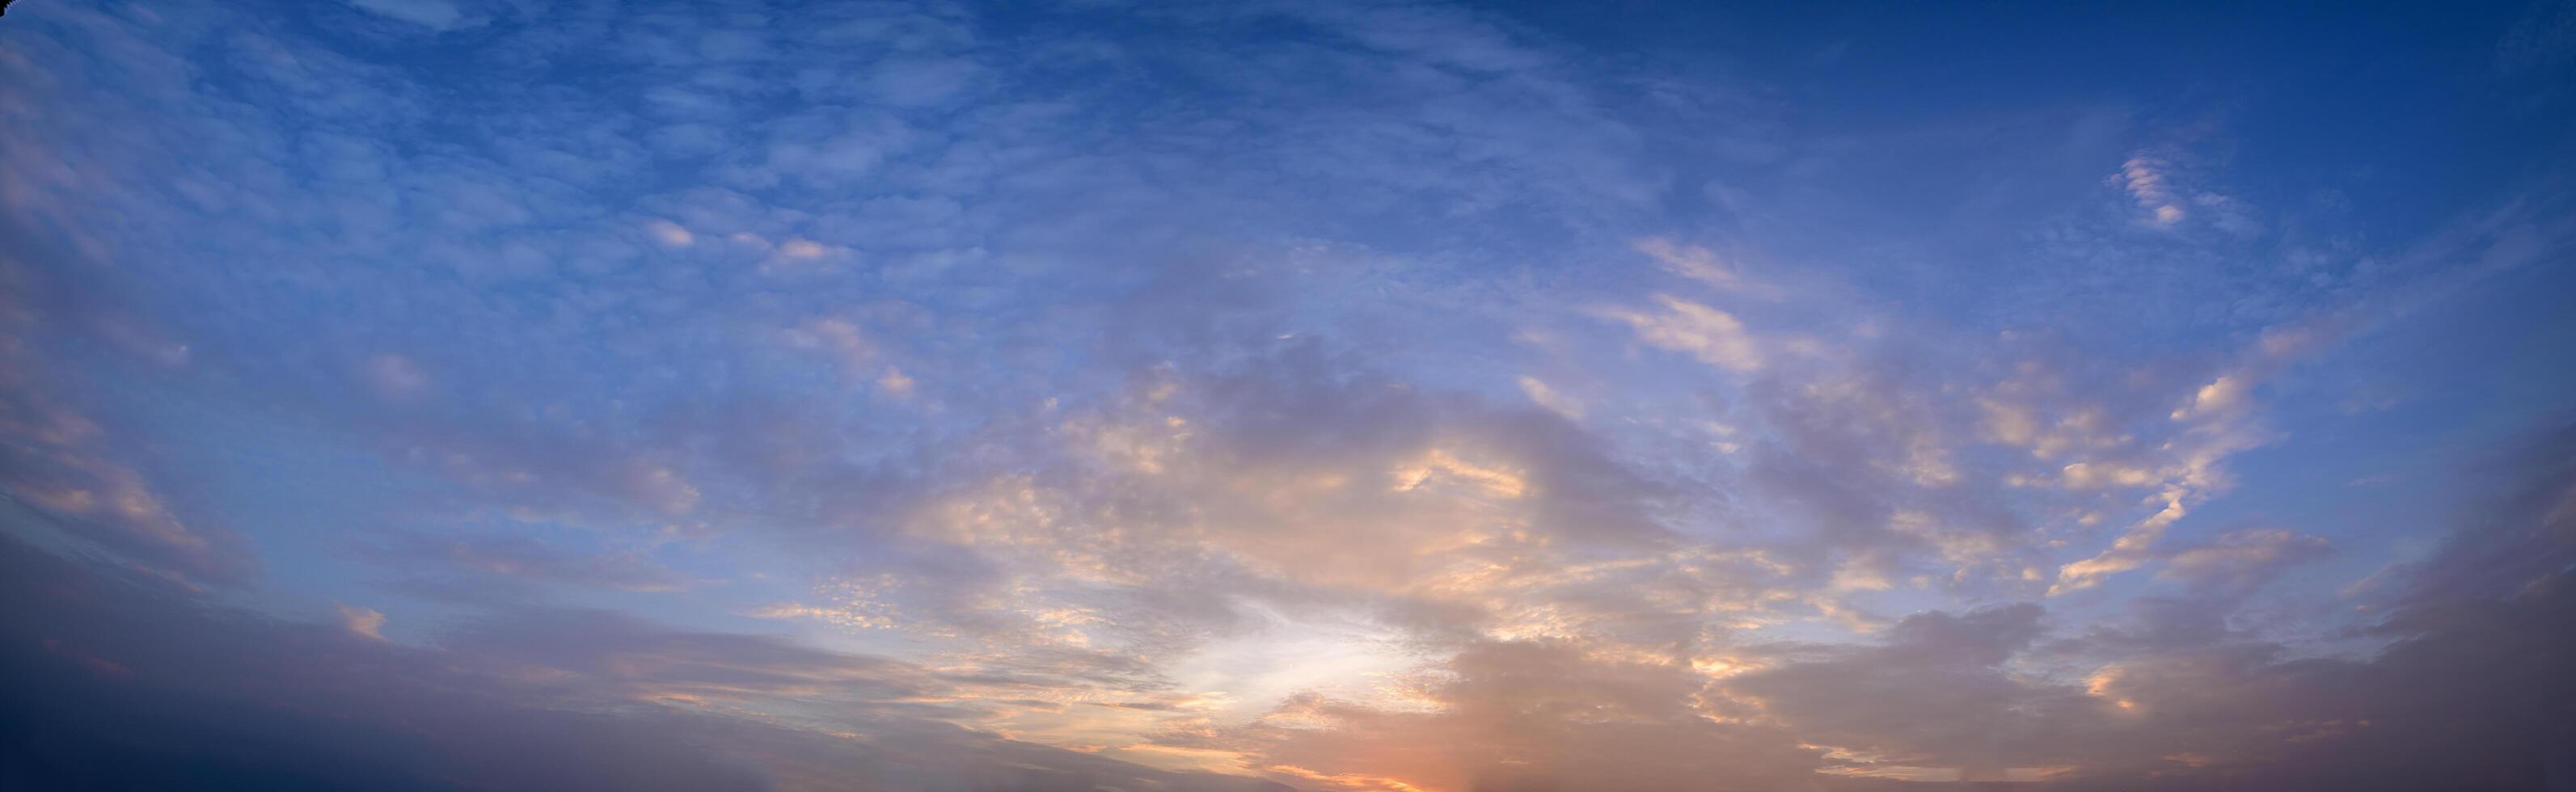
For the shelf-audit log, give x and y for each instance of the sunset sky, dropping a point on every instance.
(1341, 396)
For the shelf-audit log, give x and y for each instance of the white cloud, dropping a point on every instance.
(2147, 181)
(670, 233)
(1700, 264)
(895, 383)
(1715, 337)
(1548, 397)
(367, 622)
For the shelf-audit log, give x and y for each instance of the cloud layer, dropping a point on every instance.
(1327, 396)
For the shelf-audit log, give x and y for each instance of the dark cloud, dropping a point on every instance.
(2466, 693)
(119, 681)
(68, 468)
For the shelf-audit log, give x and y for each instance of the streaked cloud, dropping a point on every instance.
(1713, 336)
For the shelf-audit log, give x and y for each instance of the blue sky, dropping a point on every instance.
(1331, 396)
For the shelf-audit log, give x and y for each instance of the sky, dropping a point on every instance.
(1328, 395)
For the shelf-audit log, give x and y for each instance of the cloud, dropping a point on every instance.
(1548, 397)
(363, 621)
(1700, 264)
(1188, 386)
(2545, 36)
(670, 233)
(1522, 716)
(522, 557)
(2180, 683)
(2241, 555)
(523, 702)
(1713, 336)
(2215, 421)
(2147, 180)
(65, 470)
(437, 15)
(395, 377)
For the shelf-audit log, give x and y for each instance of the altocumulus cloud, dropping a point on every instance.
(1348, 396)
